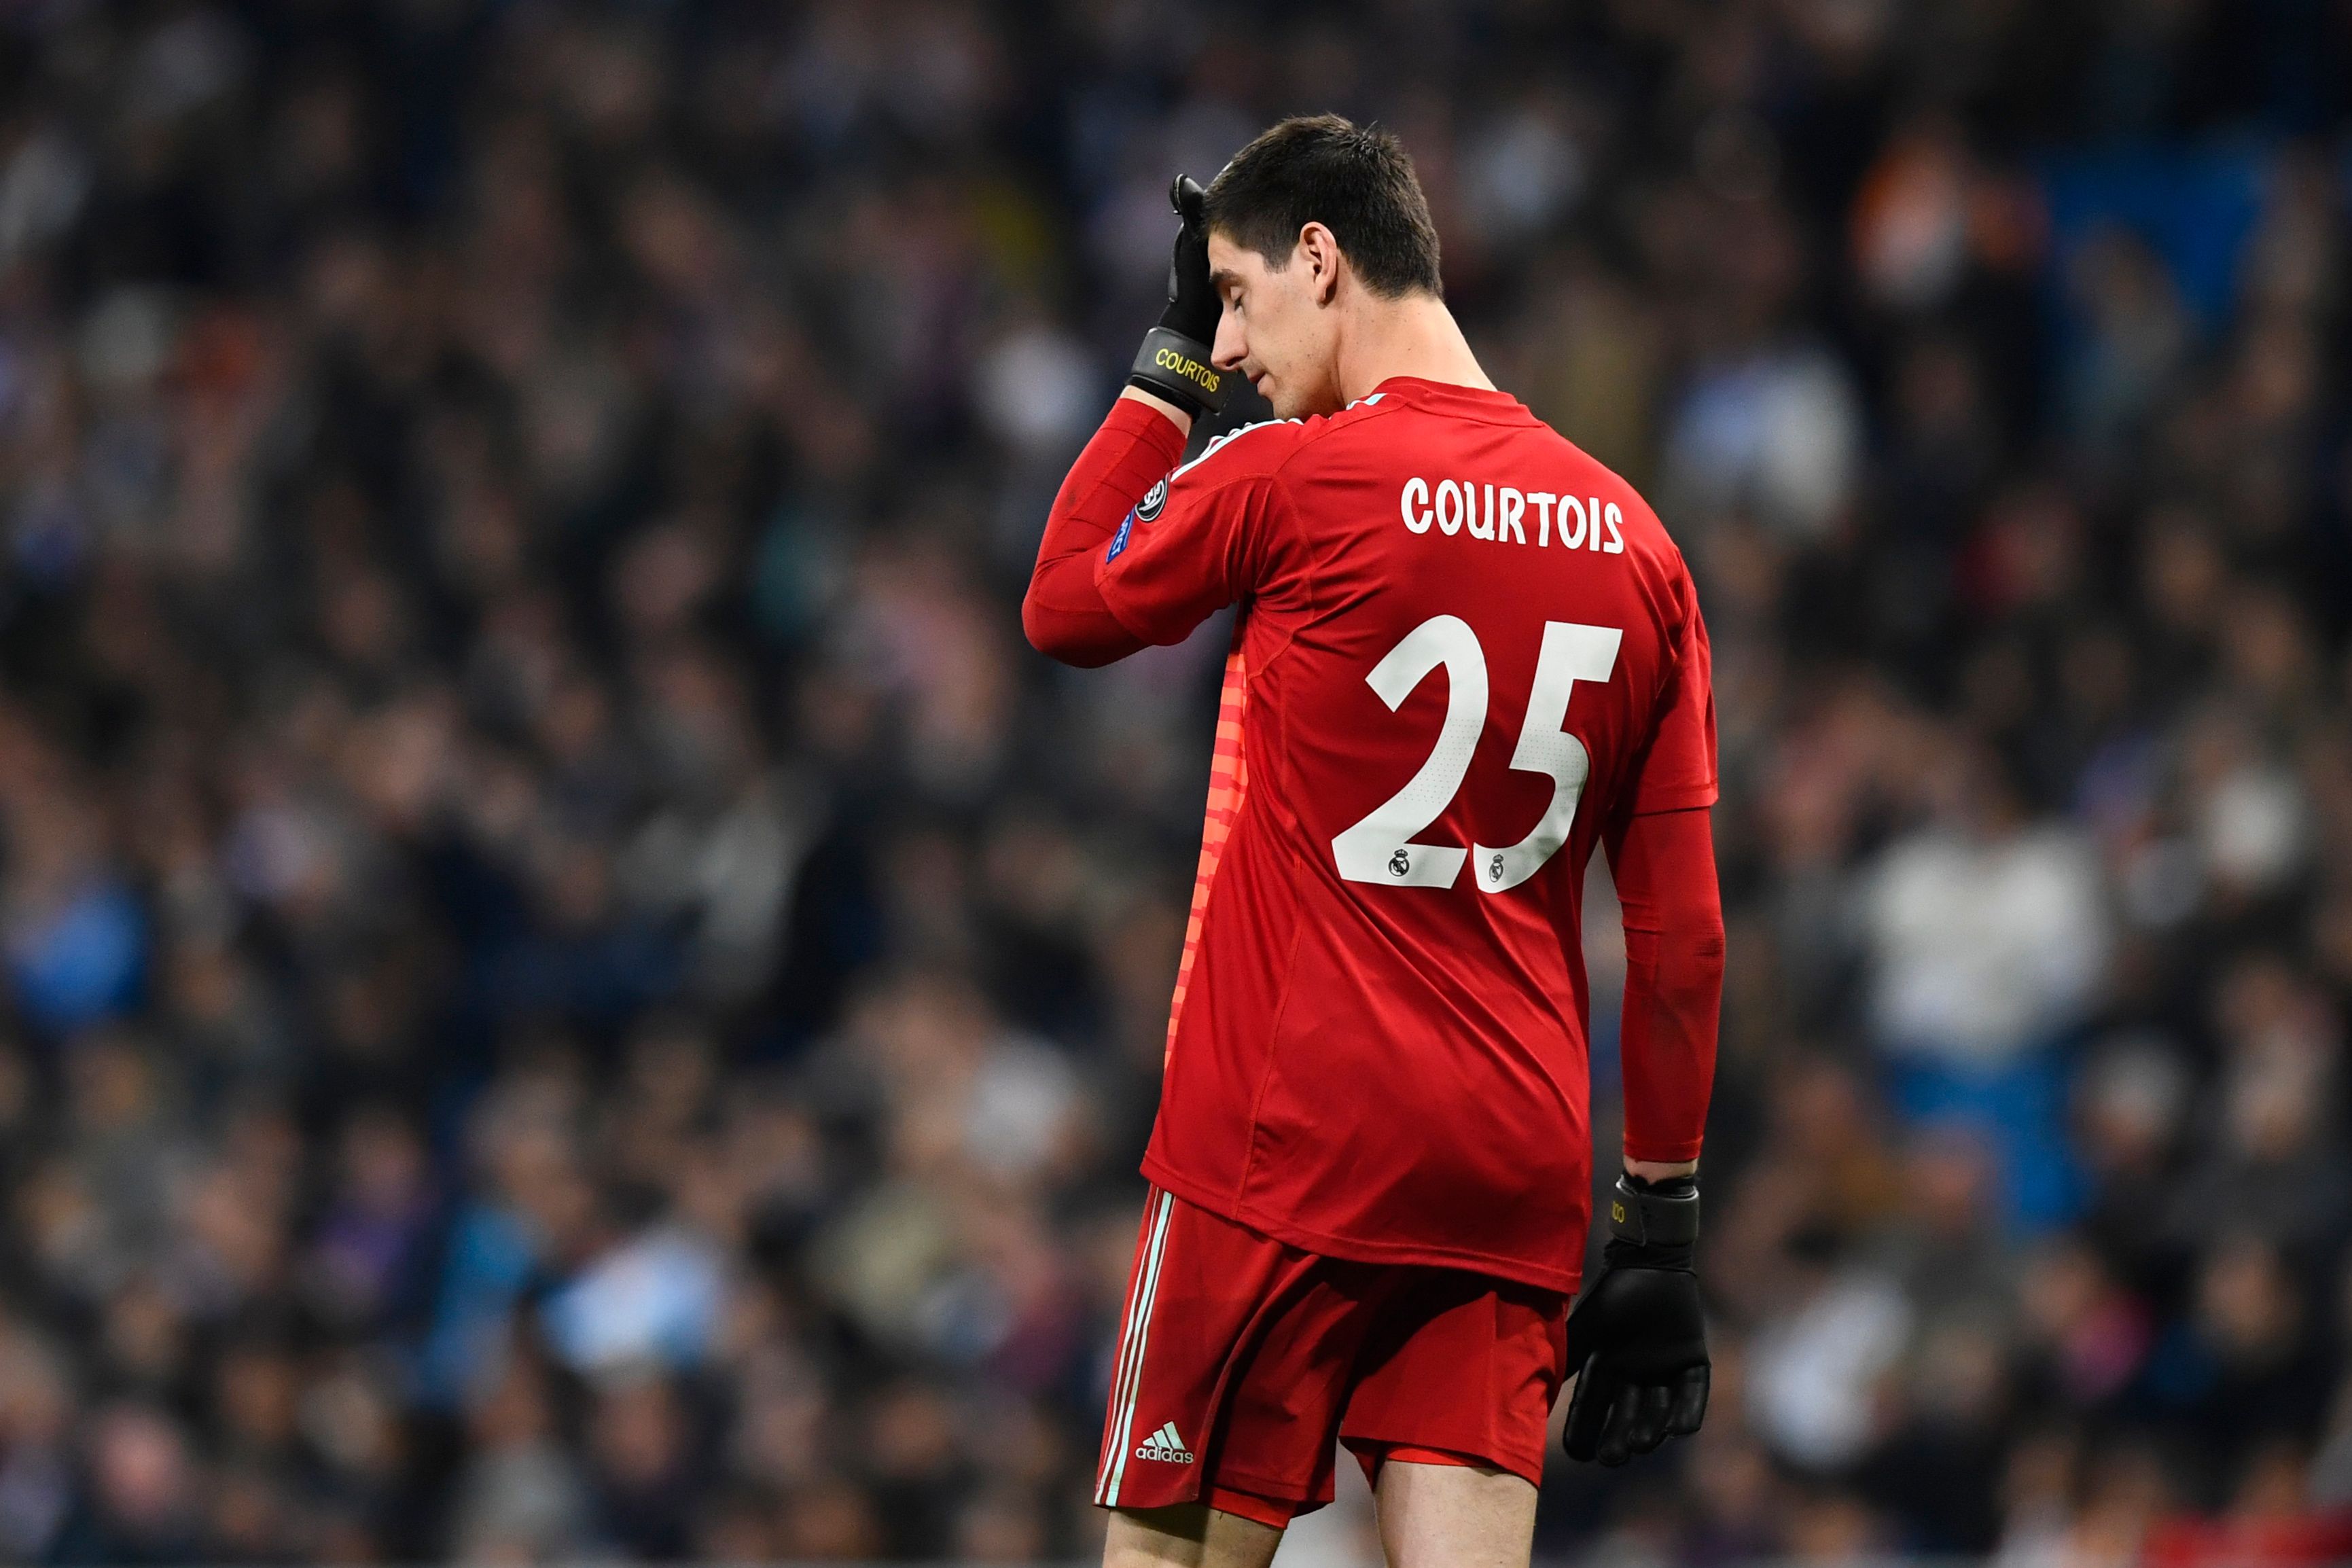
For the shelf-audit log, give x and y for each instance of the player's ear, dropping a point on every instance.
(1319, 248)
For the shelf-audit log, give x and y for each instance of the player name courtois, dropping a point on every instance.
(1504, 514)
(1188, 367)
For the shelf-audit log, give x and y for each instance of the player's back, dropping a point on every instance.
(1464, 647)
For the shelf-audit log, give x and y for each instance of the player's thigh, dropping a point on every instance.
(1455, 1516)
(1188, 1536)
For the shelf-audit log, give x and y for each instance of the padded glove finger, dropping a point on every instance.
(1588, 1411)
(1690, 1402)
(1616, 1438)
(1647, 1427)
(1185, 194)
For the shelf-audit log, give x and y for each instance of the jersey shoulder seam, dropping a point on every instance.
(1278, 476)
(1307, 438)
(1218, 444)
(1278, 480)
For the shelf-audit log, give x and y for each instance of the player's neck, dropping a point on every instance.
(1415, 336)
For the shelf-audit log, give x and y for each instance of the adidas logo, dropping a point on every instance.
(1165, 1445)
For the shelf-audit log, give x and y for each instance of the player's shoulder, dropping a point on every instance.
(1647, 536)
(1654, 570)
(1267, 446)
(1253, 450)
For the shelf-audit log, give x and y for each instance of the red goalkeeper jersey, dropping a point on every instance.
(1463, 647)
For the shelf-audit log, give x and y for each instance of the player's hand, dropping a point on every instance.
(1173, 363)
(1637, 1338)
(1192, 304)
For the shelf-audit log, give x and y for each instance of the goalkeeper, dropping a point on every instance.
(1467, 657)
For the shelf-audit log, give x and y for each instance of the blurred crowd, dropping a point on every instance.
(572, 989)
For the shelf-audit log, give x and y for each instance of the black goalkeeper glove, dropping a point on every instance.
(1637, 1338)
(1174, 362)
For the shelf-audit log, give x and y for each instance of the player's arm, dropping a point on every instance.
(1638, 1335)
(1662, 854)
(1065, 615)
(1170, 383)
(1664, 863)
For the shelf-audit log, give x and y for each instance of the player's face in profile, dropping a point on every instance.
(1274, 330)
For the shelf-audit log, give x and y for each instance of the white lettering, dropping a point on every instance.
(1571, 541)
(1507, 524)
(1498, 512)
(1482, 525)
(1415, 502)
(1449, 508)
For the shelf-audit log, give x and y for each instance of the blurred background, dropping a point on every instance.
(573, 990)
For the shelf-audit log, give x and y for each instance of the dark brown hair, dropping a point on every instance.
(1355, 180)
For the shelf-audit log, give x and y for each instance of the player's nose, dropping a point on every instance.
(1232, 346)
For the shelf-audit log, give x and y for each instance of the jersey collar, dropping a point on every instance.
(1453, 398)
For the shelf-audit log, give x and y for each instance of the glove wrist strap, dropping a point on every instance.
(1654, 1224)
(1177, 368)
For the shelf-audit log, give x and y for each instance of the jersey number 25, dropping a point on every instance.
(1380, 848)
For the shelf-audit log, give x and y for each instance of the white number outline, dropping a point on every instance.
(1572, 652)
(1379, 846)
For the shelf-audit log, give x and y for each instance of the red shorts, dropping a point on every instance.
(1241, 1361)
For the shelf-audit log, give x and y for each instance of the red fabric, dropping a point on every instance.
(1371, 1455)
(1228, 785)
(1369, 1459)
(1664, 863)
(1274, 1512)
(1063, 614)
(2284, 1543)
(1258, 1357)
(1382, 1058)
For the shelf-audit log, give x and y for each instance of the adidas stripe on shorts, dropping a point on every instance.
(1242, 1363)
